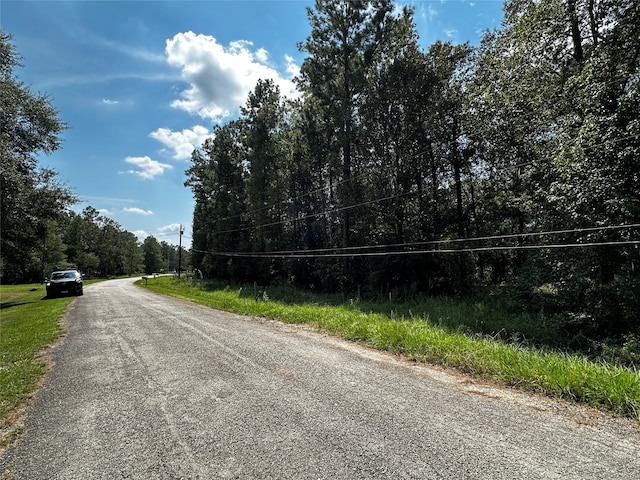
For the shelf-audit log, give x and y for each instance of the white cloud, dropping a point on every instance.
(432, 13)
(135, 52)
(137, 211)
(88, 36)
(262, 55)
(292, 68)
(450, 32)
(220, 77)
(110, 200)
(174, 227)
(423, 10)
(107, 101)
(182, 143)
(140, 234)
(148, 168)
(70, 80)
(105, 212)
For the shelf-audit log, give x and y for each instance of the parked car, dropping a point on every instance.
(64, 282)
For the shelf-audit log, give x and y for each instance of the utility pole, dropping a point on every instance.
(180, 251)
(44, 251)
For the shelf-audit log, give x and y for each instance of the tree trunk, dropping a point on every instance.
(576, 36)
(457, 176)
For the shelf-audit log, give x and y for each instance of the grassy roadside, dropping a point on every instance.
(28, 324)
(605, 386)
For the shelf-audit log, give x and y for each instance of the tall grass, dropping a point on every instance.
(427, 337)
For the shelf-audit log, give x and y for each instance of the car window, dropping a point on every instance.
(59, 275)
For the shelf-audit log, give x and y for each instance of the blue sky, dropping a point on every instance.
(139, 84)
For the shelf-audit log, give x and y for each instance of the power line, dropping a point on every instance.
(290, 200)
(312, 215)
(467, 240)
(302, 195)
(418, 252)
(339, 251)
(524, 235)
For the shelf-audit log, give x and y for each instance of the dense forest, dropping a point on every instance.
(508, 169)
(39, 232)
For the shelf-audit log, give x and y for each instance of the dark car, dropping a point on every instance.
(64, 282)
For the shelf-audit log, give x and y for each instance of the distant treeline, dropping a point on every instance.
(90, 242)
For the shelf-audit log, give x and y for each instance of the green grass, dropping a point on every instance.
(429, 337)
(28, 323)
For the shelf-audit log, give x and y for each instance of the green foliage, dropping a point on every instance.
(264, 157)
(153, 261)
(343, 42)
(97, 245)
(393, 149)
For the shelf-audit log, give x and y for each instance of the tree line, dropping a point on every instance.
(510, 167)
(39, 232)
(97, 245)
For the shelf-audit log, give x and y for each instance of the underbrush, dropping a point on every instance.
(494, 315)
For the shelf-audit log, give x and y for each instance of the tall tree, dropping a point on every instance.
(307, 159)
(216, 179)
(343, 40)
(152, 253)
(131, 253)
(263, 125)
(31, 196)
(396, 106)
(555, 107)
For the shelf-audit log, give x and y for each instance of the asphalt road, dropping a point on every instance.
(148, 387)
